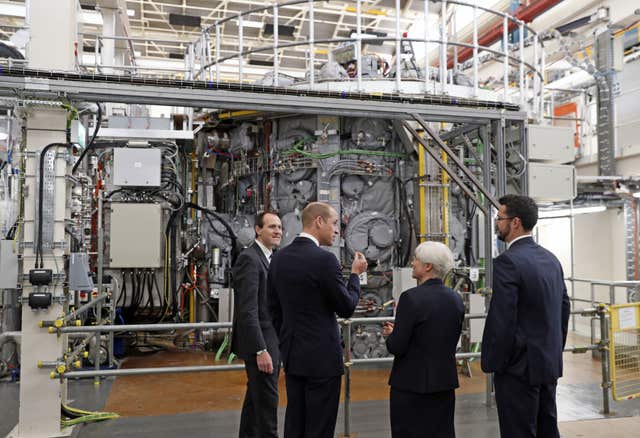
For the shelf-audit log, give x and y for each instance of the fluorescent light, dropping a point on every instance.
(131, 12)
(249, 23)
(567, 211)
(12, 10)
(636, 195)
(85, 16)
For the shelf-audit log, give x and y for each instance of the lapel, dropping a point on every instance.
(261, 256)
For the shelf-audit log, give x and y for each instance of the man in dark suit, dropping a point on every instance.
(526, 328)
(306, 291)
(423, 340)
(254, 338)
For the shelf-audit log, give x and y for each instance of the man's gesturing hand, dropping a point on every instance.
(359, 264)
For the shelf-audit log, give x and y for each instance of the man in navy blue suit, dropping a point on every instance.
(526, 328)
(305, 292)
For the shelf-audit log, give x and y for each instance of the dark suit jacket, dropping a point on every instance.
(427, 328)
(306, 291)
(252, 327)
(526, 328)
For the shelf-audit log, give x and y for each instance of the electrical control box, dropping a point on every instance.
(552, 144)
(136, 235)
(137, 167)
(552, 182)
(8, 265)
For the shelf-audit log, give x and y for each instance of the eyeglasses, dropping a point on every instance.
(498, 218)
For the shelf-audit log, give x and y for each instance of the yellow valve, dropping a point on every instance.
(61, 368)
(40, 324)
(58, 323)
(77, 364)
(52, 330)
(64, 356)
(39, 364)
(78, 323)
(85, 354)
(52, 375)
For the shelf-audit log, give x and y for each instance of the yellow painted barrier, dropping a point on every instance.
(624, 346)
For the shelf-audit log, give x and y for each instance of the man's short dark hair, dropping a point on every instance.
(522, 207)
(259, 222)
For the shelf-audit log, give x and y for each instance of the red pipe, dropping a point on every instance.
(525, 13)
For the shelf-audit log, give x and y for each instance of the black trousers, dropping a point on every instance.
(525, 411)
(259, 416)
(416, 415)
(312, 406)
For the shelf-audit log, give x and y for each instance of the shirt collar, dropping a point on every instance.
(309, 236)
(266, 251)
(518, 238)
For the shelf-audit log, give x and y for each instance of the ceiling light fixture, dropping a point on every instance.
(567, 211)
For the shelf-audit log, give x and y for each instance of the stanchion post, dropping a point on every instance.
(347, 378)
(604, 357)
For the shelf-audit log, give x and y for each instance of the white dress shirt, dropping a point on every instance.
(309, 236)
(266, 251)
(518, 238)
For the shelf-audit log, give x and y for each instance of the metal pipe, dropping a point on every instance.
(604, 359)
(622, 283)
(536, 79)
(100, 285)
(542, 68)
(522, 87)
(217, 53)
(209, 59)
(488, 239)
(312, 48)
(145, 371)
(443, 46)
(241, 46)
(398, 50)
(612, 294)
(95, 52)
(475, 50)
(505, 48)
(145, 327)
(592, 289)
(426, 47)
(347, 379)
(276, 41)
(358, 50)
(85, 307)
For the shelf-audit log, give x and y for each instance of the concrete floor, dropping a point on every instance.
(579, 414)
(208, 404)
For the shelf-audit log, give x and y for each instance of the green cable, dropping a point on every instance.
(89, 419)
(231, 357)
(222, 347)
(296, 150)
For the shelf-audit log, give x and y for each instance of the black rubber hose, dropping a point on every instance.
(93, 139)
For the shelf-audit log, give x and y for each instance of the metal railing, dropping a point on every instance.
(207, 61)
(600, 311)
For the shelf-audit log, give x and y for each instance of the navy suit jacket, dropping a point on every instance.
(306, 291)
(425, 335)
(526, 328)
